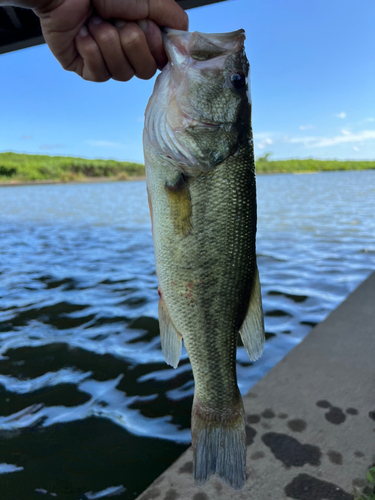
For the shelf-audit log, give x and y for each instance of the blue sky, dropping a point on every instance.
(312, 81)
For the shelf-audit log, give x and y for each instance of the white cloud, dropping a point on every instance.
(365, 121)
(345, 131)
(262, 135)
(26, 137)
(355, 148)
(306, 127)
(341, 115)
(264, 139)
(347, 136)
(266, 142)
(106, 144)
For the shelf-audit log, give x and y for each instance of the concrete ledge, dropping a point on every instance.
(311, 419)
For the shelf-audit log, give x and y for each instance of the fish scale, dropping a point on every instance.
(201, 185)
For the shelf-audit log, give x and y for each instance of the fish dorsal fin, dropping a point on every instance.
(252, 330)
(170, 338)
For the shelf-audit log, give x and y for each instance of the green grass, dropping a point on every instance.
(24, 167)
(266, 166)
(370, 493)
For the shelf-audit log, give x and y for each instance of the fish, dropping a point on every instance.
(200, 176)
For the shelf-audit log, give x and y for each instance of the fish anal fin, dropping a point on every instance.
(252, 329)
(170, 338)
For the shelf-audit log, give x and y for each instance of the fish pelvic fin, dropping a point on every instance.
(252, 330)
(219, 445)
(171, 340)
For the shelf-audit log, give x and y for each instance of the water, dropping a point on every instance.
(88, 408)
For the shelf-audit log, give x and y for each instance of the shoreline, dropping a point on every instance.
(87, 180)
(93, 180)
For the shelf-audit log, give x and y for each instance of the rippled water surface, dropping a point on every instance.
(88, 408)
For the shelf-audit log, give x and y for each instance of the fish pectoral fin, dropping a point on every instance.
(170, 338)
(252, 330)
(180, 207)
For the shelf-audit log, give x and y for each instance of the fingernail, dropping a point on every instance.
(96, 20)
(143, 24)
(119, 23)
(83, 31)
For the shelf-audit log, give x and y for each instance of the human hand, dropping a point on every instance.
(103, 39)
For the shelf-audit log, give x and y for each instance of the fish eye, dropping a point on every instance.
(238, 80)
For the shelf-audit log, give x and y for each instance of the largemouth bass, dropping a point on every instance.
(200, 172)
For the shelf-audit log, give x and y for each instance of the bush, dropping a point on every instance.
(25, 167)
(265, 166)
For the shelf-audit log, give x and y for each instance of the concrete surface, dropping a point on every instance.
(311, 419)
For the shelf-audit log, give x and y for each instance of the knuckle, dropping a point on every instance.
(90, 48)
(147, 72)
(131, 35)
(100, 78)
(124, 73)
(107, 37)
(124, 78)
(75, 66)
(128, 75)
(68, 66)
(92, 74)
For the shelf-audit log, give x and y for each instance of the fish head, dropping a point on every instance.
(201, 99)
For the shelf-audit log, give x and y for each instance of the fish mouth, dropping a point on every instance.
(180, 45)
(223, 37)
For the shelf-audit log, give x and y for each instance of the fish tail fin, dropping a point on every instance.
(219, 444)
